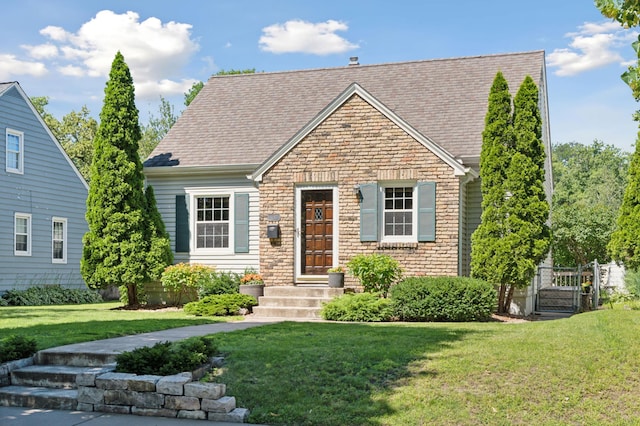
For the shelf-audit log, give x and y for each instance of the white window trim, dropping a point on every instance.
(64, 239)
(413, 238)
(17, 216)
(298, 223)
(210, 192)
(20, 135)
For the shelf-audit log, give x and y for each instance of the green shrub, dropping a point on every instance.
(365, 307)
(219, 282)
(443, 299)
(632, 282)
(16, 347)
(376, 272)
(50, 295)
(178, 280)
(220, 305)
(166, 358)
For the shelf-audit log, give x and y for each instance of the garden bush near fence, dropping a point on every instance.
(50, 295)
(443, 299)
(220, 305)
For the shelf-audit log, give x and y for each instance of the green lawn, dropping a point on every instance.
(64, 324)
(584, 370)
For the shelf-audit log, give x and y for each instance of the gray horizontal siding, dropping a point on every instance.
(49, 187)
(166, 189)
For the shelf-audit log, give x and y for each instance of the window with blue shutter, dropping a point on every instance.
(241, 223)
(369, 212)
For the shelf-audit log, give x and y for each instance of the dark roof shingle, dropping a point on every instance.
(244, 119)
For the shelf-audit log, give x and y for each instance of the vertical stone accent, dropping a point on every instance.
(356, 145)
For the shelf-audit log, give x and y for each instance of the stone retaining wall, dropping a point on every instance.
(161, 396)
(8, 367)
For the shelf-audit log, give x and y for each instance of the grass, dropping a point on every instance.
(65, 324)
(581, 370)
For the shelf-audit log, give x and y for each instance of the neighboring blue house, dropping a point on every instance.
(42, 200)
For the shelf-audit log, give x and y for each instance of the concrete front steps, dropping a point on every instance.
(294, 301)
(51, 386)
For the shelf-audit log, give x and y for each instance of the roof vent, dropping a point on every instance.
(353, 61)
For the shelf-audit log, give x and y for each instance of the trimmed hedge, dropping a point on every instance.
(443, 299)
(50, 295)
(220, 305)
(166, 358)
(364, 307)
(17, 347)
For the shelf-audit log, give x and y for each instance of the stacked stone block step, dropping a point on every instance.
(94, 387)
(294, 301)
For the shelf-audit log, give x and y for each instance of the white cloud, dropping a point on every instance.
(305, 37)
(155, 51)
(594, 45)
(151, 89)
(41, 51)
(10, 66)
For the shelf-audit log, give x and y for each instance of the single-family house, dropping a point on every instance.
(295, 172)
(43, 200)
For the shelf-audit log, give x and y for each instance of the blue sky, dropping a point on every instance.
(63, 49)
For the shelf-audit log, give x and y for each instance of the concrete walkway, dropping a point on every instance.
(18, 416)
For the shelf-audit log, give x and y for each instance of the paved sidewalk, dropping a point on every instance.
(19, 416)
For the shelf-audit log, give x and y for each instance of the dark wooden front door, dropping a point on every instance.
(317, 231)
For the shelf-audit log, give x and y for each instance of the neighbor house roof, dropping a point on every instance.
(244, 119)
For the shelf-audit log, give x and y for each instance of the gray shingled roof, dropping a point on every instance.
(244, 119)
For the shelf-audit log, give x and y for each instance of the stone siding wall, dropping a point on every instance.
(356, 145)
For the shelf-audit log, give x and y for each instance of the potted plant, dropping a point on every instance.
(336, 277)
(252, 284)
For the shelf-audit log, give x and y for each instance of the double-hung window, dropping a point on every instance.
(398, 213)
(22, 234)
(14, 151)
(59, 240)
(212, 222)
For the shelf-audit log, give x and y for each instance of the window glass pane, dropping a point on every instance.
(13, 160)
(58, 250)
(13, 143)
(21, 243)
(21, 225)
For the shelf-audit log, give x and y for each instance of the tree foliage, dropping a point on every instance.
(75, 133)
(156, 128)
(625, 240)
(117, 246)
(513, 236)
(589, 184)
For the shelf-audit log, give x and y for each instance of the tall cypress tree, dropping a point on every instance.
(116, 247)
(527, 234)
(513, 236)
(497, 141)
(160, 254)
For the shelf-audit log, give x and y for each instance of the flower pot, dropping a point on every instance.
(336, 279)
(252, 290)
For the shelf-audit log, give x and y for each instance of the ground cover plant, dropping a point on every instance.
(49, 295)
(580, 370)
(60, 325)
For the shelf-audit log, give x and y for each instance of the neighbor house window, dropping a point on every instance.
(398, 213)
(59, 240)
(212, 222)
(15, 151)
(22, 234)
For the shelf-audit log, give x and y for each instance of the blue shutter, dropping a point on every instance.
(426, 211)
(241, 223)
(182, 225)
(369, 212)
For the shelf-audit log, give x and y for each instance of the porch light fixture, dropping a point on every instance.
(357, 192)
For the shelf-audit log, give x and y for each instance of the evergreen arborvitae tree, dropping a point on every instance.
(527, 234)
(116, 248)
(487, 260)
(625, 240)
(160, 254)
(513, 236)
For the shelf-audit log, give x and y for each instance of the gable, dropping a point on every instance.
(355, 90)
